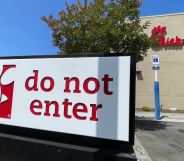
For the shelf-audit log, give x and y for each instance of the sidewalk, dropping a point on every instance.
(166, 117)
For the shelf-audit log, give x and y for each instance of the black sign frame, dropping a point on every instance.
(80, 139)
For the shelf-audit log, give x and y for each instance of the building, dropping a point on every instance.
(169, 45)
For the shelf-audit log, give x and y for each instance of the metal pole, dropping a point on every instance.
(157, 97)
(156, 75)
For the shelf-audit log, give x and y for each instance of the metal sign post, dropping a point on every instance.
(155, 62)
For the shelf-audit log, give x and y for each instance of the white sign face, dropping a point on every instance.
(155, 59)
(86, 96)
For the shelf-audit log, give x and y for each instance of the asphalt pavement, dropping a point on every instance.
(162, 140)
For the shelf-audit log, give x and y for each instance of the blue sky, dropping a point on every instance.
(23, 33)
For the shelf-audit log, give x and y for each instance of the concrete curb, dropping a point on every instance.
(140, 152)
(167, 117)
(162, 120)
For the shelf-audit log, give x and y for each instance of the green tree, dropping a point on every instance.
(102, 26)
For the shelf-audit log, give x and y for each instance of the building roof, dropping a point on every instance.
(172, 14)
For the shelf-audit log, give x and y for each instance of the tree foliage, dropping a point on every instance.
(102, 26)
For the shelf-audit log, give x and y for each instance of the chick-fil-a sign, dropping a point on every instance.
(73, 95)
(159, 39)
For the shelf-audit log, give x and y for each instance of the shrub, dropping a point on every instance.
(145, 108)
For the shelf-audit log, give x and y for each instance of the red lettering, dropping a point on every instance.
(56, 106)
(94, 111)
(171, 42)
(51, 84)
(158, 35)
(36, 104)
(154, 31)
(66, 103)
(34, 79)
(178, 41)
(67, 85)
(86, 85)
(167, 42)
(163, 29)
(162, 42)
(79, 108)
(106, 80)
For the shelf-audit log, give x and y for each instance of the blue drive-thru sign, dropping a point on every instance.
(156, 68)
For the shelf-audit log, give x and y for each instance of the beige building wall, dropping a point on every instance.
(171, 74)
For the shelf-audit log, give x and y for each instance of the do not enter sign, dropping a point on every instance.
(71, 96)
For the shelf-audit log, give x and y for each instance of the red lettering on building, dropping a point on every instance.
(159, 39)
